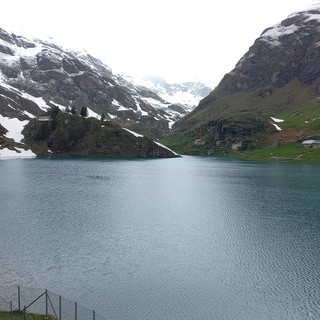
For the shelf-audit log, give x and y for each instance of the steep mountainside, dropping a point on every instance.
(278, 76)
(36, 75)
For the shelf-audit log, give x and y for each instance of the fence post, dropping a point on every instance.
(93, 315)
(11, 310)
(19, 299)
(60, 311)
(75, 311)
(25, 312)
(46, 303)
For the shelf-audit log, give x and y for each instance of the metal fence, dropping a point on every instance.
(31, 302)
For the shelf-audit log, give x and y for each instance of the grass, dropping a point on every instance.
(287, 152)
(298, 125)
(15, 315)
(281, 146)
(305, 117)
(183, 144)
(294, 103)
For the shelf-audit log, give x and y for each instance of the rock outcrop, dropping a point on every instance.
(64, 134)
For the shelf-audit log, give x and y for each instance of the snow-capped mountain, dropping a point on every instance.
(185, 95)
(36, 75)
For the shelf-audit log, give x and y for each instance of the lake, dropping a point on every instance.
(185, 238)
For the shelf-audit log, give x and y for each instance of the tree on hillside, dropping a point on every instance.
(54, 113)
(103, 117)
(73, 110)
(84, 112)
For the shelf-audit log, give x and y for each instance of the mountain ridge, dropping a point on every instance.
(279, 75)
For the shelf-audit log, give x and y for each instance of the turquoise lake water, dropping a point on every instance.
(189, 238)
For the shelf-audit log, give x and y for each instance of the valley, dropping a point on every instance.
(278, 78)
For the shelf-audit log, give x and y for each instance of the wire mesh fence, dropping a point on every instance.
(34, 304)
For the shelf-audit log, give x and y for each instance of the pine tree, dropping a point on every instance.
(73, 110)
(54, 112)
(84, 112)
(103, 117)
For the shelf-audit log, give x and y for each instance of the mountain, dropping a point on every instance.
(278, 79)
(184, 96)
(36, 76)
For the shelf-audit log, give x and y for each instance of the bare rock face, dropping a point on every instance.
(46, 60)
(228, 132)
(3, 131)
(6, 50)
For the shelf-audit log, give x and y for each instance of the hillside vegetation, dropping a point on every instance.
(66, 134)
(284, 145)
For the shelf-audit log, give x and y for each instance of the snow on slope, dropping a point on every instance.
(179, 93)
(138, 135)
(44, 73)
(309, 13)
(38, 100)
(14, 127)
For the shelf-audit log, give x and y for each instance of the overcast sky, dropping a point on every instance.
(176, 39)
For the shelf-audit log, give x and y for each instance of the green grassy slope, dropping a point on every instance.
(285, 145)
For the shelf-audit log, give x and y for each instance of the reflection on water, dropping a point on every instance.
(190, 238)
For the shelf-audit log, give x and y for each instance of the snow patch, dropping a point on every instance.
(111, 116)
(163, 146)
(138, 135)
(14, 127)
(61, 107)
(155, 103)
(28, 114)
(182, 98)
(276, 126)
(171, 123)
(272, 35)
(6, 154)
(143, 113)
(276, 120)
(312, 16)
(123, 109)
(37, 100)
(116, 103)
(158, 143)
(93, 114)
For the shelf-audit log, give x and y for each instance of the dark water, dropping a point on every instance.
(191, 238)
